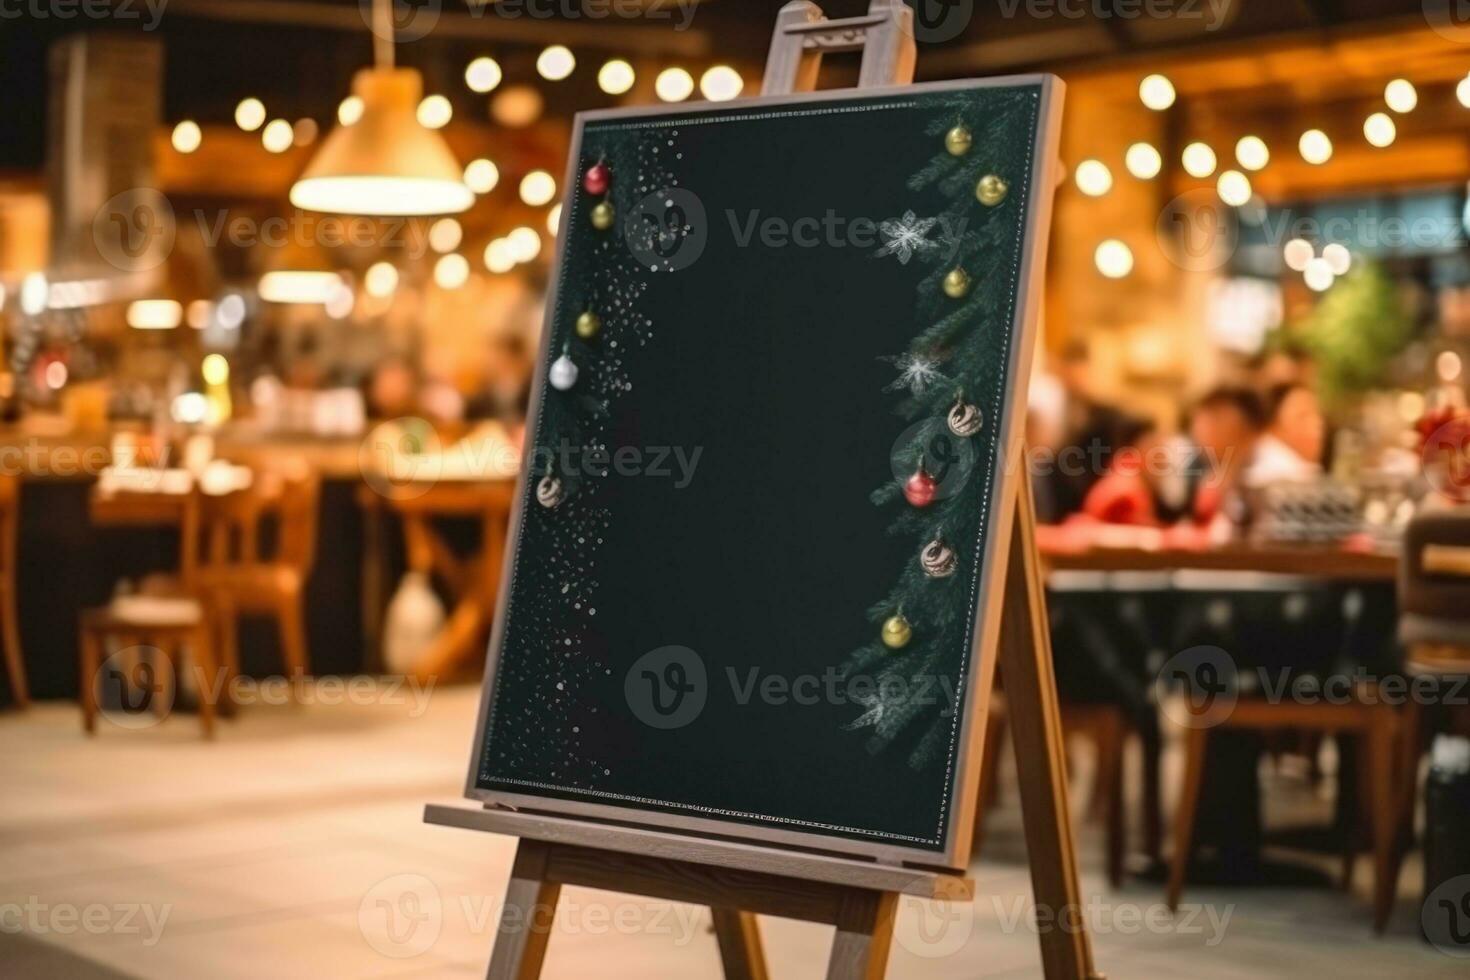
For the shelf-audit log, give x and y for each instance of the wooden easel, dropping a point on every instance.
(739, 881)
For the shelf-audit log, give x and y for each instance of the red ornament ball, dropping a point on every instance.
(920, 489)
(597, 179)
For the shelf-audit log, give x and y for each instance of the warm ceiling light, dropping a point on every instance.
(1401, 95)
(1338, 258)
(537, 188)
(445, 235)
(1297, 253)
(298, 286)
(1093, 178)
(277, 136)
(435, 112)
(154, 314)
(1143, 161)
(34, 293)
(1113, 259)
(305, 132)
(1198, 160)
(1156, 92)
(481, 175)
(187, 136)
(525, 244)
(674, 85)
(214, 369)
(1251, 152)
(483, 74)
(1379, 129)
(349, 110)
(1315, 147)
(721, 83)
(386, 163)
(1234, 188)
(1462, 91)
(555, 63)
(340, 304)
(231, 311)
(451, 271)
(381, 279)
(197, 313)
(1447, 365)
(500, 256)
(517, 106)
(1318, 275)
(250, 114)
(615, 77)
(553, 220)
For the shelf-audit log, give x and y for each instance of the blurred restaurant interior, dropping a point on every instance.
(227, 403)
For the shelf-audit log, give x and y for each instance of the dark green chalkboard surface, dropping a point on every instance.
(755, 554)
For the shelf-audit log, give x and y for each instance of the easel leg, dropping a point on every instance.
(740, 944)
(1036, 727)
(525, 922)
(864, 934)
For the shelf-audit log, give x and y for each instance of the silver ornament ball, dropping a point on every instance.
(548, 491)
(563, 373)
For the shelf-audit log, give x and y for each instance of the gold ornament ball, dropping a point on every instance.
(897, 632)
(589, 325)
(603, 216)
(957, 141)
(991, 190)
(956, 283)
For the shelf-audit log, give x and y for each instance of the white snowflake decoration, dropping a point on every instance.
(917, 373)
(905, 236)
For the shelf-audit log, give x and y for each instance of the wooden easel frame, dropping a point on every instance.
(739, 880)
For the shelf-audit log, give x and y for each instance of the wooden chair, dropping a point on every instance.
(1362, 714)
(237, 575)
(15, 667)
(1434, 630)
(167, 617)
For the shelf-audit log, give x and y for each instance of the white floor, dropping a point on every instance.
(293, 846)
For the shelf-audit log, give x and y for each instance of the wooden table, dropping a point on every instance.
(474, 581)
(1313, 561)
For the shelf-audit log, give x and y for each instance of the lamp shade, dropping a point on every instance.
(386, 163)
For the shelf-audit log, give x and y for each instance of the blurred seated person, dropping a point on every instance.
(393, 389)
(1091, 431)
(1291, 449)
(1225, 427)
(1128, 492)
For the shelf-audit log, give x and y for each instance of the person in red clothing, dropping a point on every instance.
(1126, 494)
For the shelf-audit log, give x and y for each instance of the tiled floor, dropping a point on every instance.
(293, 847)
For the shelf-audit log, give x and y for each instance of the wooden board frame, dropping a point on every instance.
(1008, 475)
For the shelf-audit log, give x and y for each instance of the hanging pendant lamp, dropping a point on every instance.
(386, 163)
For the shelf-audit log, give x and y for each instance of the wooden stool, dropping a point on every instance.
(132, 627)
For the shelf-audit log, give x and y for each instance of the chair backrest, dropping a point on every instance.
(287, 495)
(1434, 570)
(9, 521)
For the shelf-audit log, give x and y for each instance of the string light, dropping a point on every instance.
(1462, 91)
(451, 271)
(499, 256)
(553, 219)
(1234, 188)
(277, 136)
(674, 85)
(1143, 161)
(721, 83)
(381, 279)
(445, 235)
(1401, 95)
(1113, 258)
(1315, 147)
(1156, 92)
(616, 77)
(483, 74)
(1379, 129)
(555, 63)
(1199, 160)
(1339, 259)
(250, 114)
(304, 133)
(349, 110)
(34, 292)
(154, 314)
(1297, 253)
(525, 244)
(186, 136)
(1251, 153)
(434, 112)
(537, 188)
(1093, 178)
(481, 175)
(1318, 275)
(517, 106)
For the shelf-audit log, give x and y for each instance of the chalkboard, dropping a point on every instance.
(760, 532)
